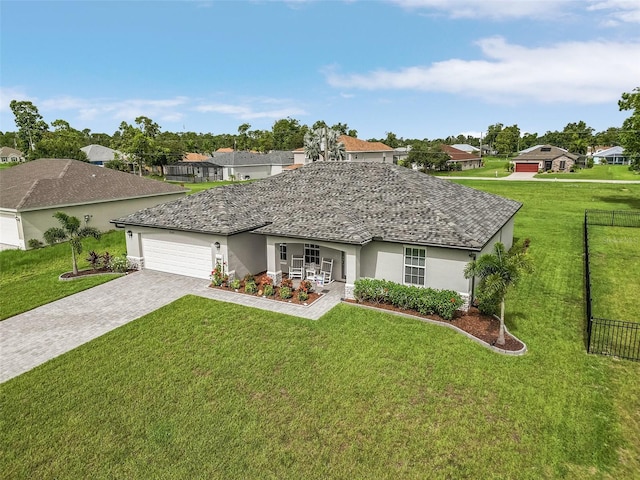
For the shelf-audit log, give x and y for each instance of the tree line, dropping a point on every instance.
(146, 143)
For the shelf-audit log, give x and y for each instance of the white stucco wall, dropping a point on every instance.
(254, 171)
(247, 253)
(444, 266)
(36, 222)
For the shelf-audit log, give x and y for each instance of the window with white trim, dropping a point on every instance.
(283, 252)
(311, 253)
(414, 265)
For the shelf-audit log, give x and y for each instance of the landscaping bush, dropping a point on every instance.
(285, 292)
(303, 296)
(119, 264)
(35, 243)
(268, 290)
(249, 278)
(306, 286)
(426, 301)
(287, 282)
(250, 286)
(94, 259)
(235, 283)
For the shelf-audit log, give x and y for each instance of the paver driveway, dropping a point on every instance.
(32, 338)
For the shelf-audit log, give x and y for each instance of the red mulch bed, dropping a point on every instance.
(261, 280)
(483, 327)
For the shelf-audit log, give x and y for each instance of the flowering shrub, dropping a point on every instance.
(302, 295)
(287, 282)
(235, 283)
(218, 277)
(267, 281)
(305, 286)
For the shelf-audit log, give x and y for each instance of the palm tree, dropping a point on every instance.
(323, 141)
(72, 232)
(497, 272)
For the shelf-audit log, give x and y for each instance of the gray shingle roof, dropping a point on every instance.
(347, 202)
(242, 158)
(51, 182)
(539, 153)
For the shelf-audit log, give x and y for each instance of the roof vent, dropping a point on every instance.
(545, 149)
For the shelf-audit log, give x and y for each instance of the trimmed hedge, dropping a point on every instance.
(427, 301)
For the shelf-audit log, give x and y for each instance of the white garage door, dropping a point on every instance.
(175, 257)
(9, 230)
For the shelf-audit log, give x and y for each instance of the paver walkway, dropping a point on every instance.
(34, 337)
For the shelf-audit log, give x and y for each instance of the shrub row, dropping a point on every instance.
(427, 301)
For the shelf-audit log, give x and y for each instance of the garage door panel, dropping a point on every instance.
(9, 230)
(176, 257)
(527, 167)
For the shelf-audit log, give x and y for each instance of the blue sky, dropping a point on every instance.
(417, 68)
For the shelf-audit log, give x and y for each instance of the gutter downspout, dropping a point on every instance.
(473, 283)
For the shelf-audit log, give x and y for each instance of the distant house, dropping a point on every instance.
(465, 147)
(611, 156)
(466, 160)
(195, 157)
(544, 158)
(11, 155)
(193, 172)
(356, 150)
(34, 191)
(99, 154)
(251, 165)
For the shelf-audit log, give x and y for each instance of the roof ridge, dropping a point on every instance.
(28, 193)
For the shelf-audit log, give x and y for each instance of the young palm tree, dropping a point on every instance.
(497, 272)
(72, 232)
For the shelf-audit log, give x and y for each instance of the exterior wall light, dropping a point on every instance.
(217, 245)
(129, 234)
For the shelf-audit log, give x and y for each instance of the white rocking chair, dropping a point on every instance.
(326, 270)
(296, 269)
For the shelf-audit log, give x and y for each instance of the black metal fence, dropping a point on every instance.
(604, 336)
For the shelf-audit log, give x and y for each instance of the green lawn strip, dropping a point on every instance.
(493, 167)
(615, 272)
(598, 172)
(29, 278)
(213, 390)
(198, 187)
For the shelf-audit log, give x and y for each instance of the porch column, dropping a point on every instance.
(273, 260)
(352, 265)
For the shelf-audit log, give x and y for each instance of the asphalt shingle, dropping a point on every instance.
(347, 202)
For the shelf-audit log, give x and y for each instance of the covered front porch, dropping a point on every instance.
(345, 260)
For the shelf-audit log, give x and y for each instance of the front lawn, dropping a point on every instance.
(212, 390)
(493, 167)
(29, 278)
(598, 172)
(615, 272)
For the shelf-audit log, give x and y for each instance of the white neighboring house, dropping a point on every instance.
(374, 220)
(465, 147)
(356, 150)
(11, 155)
(611, 156)
(243, 165)
(99, 155)
(34, 191)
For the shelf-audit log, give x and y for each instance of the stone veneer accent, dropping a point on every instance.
(276, 277)
(136, 262)
(348, 291)
(467, 301)
(232, 275)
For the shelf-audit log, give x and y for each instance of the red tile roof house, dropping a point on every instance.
(466, 160)
(375, 220)
(32, 192)
(545, 158)
(356, 151)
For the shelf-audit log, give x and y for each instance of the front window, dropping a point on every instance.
(414, 265)
(311, 253)
(283, 252)
(563, 164)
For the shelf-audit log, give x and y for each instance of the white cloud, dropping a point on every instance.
(615, 12)
(494, 9)
(7, 94)
(573, 72)
(248, 112)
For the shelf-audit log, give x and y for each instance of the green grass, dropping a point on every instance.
(598, 172)
(493, 167)
(615, 272)
(198, 187)
(8, 165)
(212, 390)
(29, 278)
